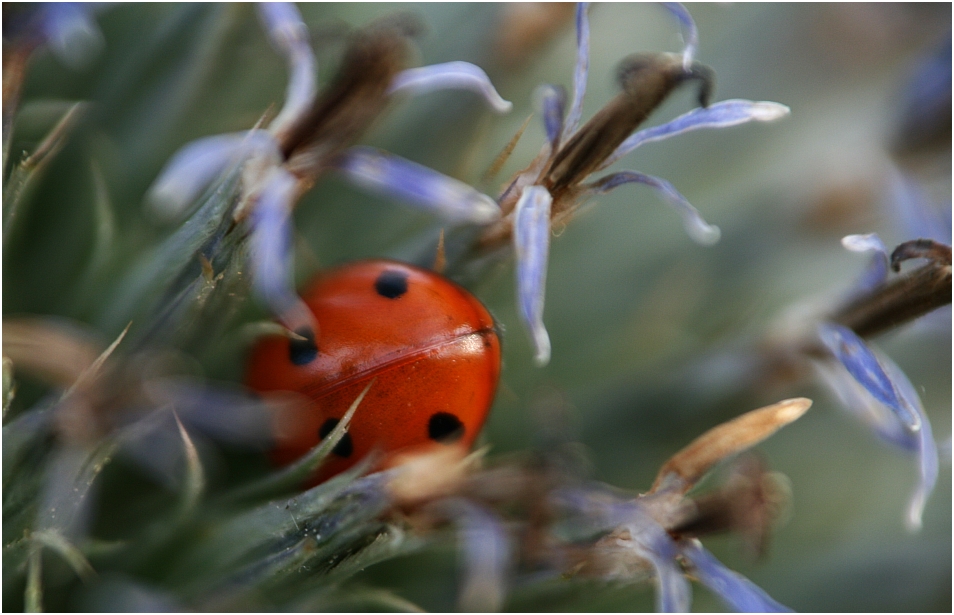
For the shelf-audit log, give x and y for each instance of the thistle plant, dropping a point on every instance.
(174, 173)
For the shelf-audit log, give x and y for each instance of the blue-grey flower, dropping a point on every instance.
(640, 545)
(575, 152)
(648, 534)
(314, 133)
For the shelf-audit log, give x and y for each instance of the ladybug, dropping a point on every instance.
(430, 346)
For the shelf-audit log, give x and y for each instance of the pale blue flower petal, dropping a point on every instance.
(197, 164)
(450, 75)
(740, 594)
(226, 415)
(581, 70)
(289, 34)
(647, 539)
(553, 107)
(927, 447)
(691, 32)
(532, 243)
(887, 423)
(877, 271)
(70, 31)
(697, 228)
(417, 185)
(652, 542)
(864, 366)
(857, 400)
(486, 552)
(271, 255)
(722, 114)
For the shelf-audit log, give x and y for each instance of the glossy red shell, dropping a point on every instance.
(432, 350)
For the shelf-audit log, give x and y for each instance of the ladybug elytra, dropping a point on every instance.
(429, 345)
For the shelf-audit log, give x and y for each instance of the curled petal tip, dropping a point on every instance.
(541, 341)
(863, 243)
(484, 210)
(450, 75)
(912, 521)
(695, 225)
(767, 111)
(703, 233)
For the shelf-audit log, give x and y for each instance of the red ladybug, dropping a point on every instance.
(430, 345)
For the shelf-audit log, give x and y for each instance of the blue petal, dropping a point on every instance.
(197, 164)
(486, 553)
(877, 270)
(740, 594)
(450, 75)
(70, 31)
(581, 70)
(289, 34)
(673, 592)
(927, 447)
(226, 415)
(532, 244)
(719, 115)
(864, 366)
(418, 185)
(698, 229)
(691, 32)
(270, 246)
(553, 106)
(856, 399)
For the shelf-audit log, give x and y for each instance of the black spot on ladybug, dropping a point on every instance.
(303, 351)
(444, 427)
(391, 284)
(345, 446)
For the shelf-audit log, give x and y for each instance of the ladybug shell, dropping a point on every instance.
(429, 345)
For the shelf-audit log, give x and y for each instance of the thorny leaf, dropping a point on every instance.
(33, 165)
(305, 467)
(33, 595)
(195, 477)
(51, 350)
(55, 541)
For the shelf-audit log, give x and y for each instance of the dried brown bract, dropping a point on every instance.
(905, 297)
(356, 96)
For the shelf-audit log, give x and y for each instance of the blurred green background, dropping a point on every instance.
(637, 313)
